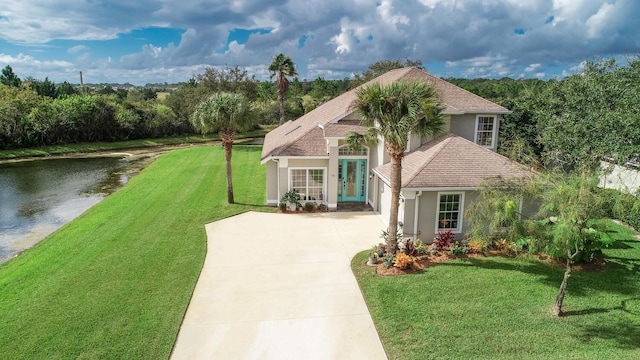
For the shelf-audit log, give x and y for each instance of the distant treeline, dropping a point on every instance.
(568, 123)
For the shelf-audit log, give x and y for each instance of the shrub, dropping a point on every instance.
(478, 245)
(457, 249)
(443, 239)
(403, 261)
(421, 248)
(388, 260)
(503, 245)
(283, 206)
(323, 207)
(291, 197)
(379, 249)
(309, 206)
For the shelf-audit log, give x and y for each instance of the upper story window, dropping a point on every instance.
(345, 150)
(486, 127)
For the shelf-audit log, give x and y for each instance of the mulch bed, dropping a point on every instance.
(424, 261)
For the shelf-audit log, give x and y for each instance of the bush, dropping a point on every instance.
(503, 245)
(457, 249)
(388, 260)
(478, 245)
(283, 206)
(309, 206)
(421, 248)
(443, 239)
(402, 261)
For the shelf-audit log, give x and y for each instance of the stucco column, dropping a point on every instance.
(332, 176)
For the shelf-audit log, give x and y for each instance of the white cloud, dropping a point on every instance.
(472, 38)
(76, 49)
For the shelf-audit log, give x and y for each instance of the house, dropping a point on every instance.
(440, 177)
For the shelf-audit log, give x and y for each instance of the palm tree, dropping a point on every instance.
(393, 112)
(228, 114)
(282, 66)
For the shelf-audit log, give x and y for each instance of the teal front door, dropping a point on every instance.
(352, 180)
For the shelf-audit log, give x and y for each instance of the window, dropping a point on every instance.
(485, 130)
(309, 183)
(450, 211)
(346, 150)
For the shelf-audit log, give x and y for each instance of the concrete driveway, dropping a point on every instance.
(280, 286)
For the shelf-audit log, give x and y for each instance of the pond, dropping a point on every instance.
(38, 197)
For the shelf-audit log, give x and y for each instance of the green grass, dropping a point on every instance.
(115, 282)
(500, 308)
(120, 145)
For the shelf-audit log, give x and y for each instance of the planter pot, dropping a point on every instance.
(292, 207)
(372, 261)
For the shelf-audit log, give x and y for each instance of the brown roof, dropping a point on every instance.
(283, 141)
(452, 161)
(343, 128)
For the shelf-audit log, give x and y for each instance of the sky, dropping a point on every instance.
(158, 41)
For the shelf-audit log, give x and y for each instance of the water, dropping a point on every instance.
(38, 197)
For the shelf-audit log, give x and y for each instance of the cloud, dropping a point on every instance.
(76, 49)
(492, 38)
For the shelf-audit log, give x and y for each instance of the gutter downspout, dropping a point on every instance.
(415, 214)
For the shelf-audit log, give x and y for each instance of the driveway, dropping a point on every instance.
(280, 286)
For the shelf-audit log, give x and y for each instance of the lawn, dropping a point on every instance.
(500, 308)
(115, 282)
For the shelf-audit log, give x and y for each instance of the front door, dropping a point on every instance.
(352, 180)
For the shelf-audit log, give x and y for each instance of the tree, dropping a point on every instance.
(230, 79)
(394, 111)
(380, 67)
(564, 228)
(228, 114)
(282, 66)
(9, 78)
(65, 89)
(44, 88)
(572, 202)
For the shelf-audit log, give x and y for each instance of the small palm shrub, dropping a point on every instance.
(421, 248)
(388, 260)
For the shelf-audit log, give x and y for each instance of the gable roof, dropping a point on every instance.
(283, 141)
(453, 161)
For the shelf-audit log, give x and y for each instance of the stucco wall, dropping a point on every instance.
(428, 203)
(463, 125)
(272, 182)
(385, 202)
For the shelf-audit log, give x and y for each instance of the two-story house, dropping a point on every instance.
(439, 176)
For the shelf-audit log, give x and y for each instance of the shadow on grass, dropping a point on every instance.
(619, 277)
(624, 333)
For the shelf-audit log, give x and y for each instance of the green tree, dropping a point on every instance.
(9, 78)
(228, 114)
(281, 67)
(230, 79)
(65, 89)
(564, 227)
(380, 67)
(394, 111)
(44, 88)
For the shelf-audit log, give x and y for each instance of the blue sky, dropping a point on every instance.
(159, 41)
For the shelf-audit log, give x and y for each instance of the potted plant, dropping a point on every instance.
(292, 199)
(373, 259)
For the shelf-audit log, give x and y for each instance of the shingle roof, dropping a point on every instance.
(452, 161)
(283, 141)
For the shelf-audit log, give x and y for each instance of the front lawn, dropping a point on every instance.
(115, 282)
(500, 308)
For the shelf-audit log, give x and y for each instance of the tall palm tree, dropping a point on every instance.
(282, 66)
(228, 114)
(393, 112)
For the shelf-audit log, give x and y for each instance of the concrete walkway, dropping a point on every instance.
(278, 286)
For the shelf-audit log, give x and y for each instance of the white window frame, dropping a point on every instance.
(457, 230)
(494, 131)
(347, 156)
(324, 182)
